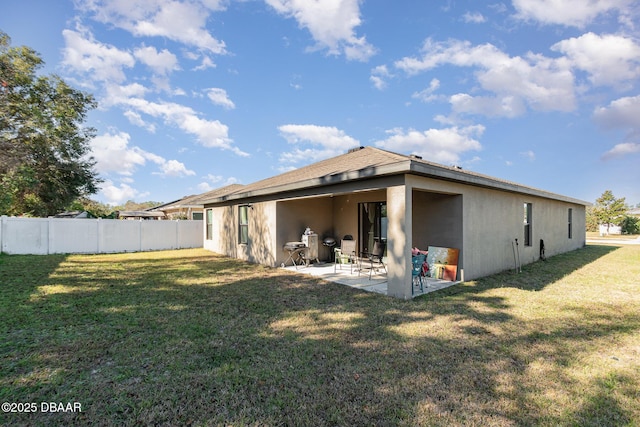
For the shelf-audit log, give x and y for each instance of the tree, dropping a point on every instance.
(45, 160)
(630, 225)
(609, 210)
(131, 205)
(592, 222)
(96, 209)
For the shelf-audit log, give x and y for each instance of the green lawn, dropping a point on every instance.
(190, 338)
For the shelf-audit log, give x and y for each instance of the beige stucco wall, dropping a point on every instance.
(437, 220)
(261, 247)
(399, 215)
(345, 212)
(224, 226)
(294, 216)
(491, 220)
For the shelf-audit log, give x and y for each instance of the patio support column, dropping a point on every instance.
(399, 215)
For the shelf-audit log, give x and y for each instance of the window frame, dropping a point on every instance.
(570, 223)
(528, 224)
(243, 224)
(209, 224)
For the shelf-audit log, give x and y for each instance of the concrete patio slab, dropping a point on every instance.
(377, 283)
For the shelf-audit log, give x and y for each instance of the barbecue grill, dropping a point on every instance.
(330, 242)
(297, 252)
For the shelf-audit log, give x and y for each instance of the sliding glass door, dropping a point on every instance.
(372, 219)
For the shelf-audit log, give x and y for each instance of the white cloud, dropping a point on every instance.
(218, 181)
(438, 145)
(135, 119)
(97, 61)
(577, 13)
(608, 59)
(544, 84)
(219, 97)
(331, 23)
(118, 94)
(330, 140)
(504, 106)
(621, 150)
(529, 154)
(184, 22)
(103, 63)
(162, 62)
(174, 168)
(427, 95)
(206, 63)
(113, 154)
(203, 187)
(117, 195)
(621, 113)
(209, 133)
(379, 75)
(473, 17)
(213, 178)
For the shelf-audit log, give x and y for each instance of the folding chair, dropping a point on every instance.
(345, 254)
(373, 259)
(417, 275)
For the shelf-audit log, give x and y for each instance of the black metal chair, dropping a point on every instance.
(373, 260)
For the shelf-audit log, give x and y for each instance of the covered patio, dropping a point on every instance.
(403, 218)
(377, 283)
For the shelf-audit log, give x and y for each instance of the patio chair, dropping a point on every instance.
(373, 261)
(417, 274)
(345, 254)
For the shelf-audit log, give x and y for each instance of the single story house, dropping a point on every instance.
(190, 207)
(405, 201)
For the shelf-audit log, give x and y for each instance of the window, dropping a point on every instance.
(196, 215)
(243, 224)
(209, 224)
(570, 224)
(527, 224)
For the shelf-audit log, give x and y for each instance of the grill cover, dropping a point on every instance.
(292, 246)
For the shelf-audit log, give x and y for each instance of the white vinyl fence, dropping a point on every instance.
(41, 236)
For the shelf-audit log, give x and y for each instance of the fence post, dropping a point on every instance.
(3, 230)
(49, 235)
(98, 235)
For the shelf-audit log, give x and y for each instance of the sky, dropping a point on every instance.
(194, 95)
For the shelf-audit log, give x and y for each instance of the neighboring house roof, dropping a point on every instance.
(635, 211)
(196, 200)
(139, 214)
(367, 163)
(74, 214)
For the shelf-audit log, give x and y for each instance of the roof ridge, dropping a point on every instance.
(364, 156)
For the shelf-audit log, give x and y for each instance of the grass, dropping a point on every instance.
(597, 236)
(191, 338)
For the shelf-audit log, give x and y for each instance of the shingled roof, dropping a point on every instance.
(356, 159)
(197, 200)
(370, 162)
